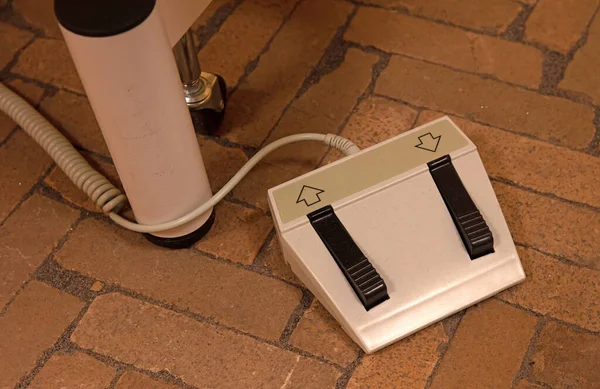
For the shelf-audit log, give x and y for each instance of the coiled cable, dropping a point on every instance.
(105, 195)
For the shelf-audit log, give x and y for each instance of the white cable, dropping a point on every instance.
(105, 195)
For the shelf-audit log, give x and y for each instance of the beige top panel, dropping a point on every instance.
(377, 164)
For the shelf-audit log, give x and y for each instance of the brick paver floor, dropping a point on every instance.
(84, 304)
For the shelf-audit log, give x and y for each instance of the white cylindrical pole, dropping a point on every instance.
(131, 79)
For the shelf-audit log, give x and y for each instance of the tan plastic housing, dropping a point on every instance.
(403, 227)
(132, 83)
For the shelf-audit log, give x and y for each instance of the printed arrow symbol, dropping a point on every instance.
(309, 195)
(429, 142)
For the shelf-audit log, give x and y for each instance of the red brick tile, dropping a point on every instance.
(22, 162)
(401, 34)
(221, 163)
(566, 358)
(531, 163)
(73, 371)
(259, 101)
(27, 237)
(238, 233)
(490, 16)
(568, 293)
(233, 296)
(551, 225)
(580, 75)
(275, 263)
(59, 181)
(12, 39)
(311, 374)
(376, 120)
(39, 14)
(558, 25)
(73, 116)
(489, 101)
(319, 333)
(135, 380)
(406, 364)
(487, 349)
(37, 303)
(48, 60)
(245, 32)
(155, 339)
(27, 90)
(311, 112)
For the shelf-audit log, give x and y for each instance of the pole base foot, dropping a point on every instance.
(184, 241)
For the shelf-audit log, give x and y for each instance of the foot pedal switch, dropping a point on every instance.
(360, 273)
(473, 230)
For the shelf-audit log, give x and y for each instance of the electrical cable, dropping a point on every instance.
(105, 195)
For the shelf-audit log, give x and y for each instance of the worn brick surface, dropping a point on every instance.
(213, 7)
(489, 16)
(48, 60)
(12, 40)
(24, 339)
(487, 349)
(401, 34)
(274, 262)
(568, 293)
(233, 296)
(27, 237)
(238, 233)
(489, 101)
(406, 364)
(319, 333)
(375, 121)
(39, 14)
(580, 75)
(135, 380)
(557, 24)
(73, 115)
(311, 374)
(200, 354)
(259, 101)
(22, 162)
(321, 109)
(59, 181)
(245, 32)
(551, 225)
(73, 371)
(527, 385)
(532, 163)
(566, 358)
(28, 91)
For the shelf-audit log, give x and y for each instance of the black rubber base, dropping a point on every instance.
(208, 121)
(184, 241)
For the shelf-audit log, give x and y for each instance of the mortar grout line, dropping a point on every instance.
(559, 258)
(116, 378)
(28, 194)
(111, 288)
(547, 317)
(251, 66)
(525, 135)
(516, 29)
(550, 195)
(445, 349)
(524, 371)
(6, 69)
(162, 375)
(59, 345)
(294, 319)
(302, 89)
(344, 379)
(213, 25)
